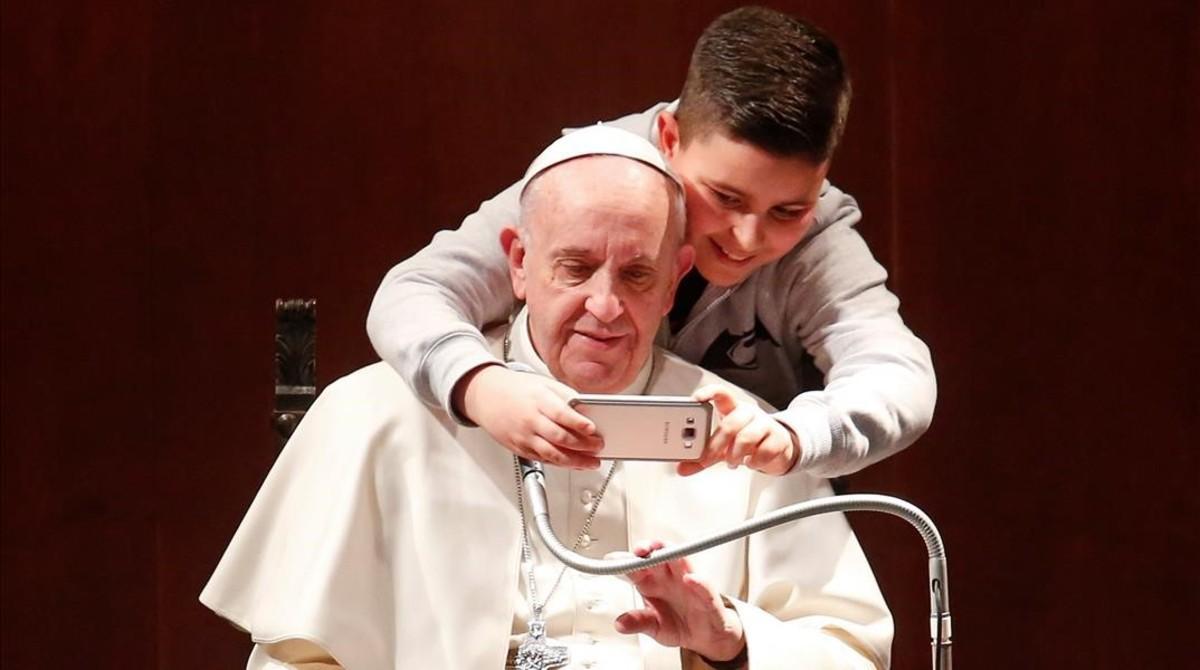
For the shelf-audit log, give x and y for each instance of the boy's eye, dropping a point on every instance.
(787, 214)
(726, 199)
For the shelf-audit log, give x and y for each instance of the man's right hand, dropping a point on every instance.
(529, 415)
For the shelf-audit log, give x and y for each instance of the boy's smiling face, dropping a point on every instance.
(745, 207)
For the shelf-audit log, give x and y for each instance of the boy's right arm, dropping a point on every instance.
(425, 322)
(426, 317)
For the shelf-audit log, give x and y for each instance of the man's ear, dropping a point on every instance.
(683, 263)
(668, 134)
(514, 249)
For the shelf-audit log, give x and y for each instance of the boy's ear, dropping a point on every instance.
(668, 134)
(514, 249)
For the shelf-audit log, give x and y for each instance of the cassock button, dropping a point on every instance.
(586, 497)
(585, 541)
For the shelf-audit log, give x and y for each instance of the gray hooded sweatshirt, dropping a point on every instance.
(816, 332)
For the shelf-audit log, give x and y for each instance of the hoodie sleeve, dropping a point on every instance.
(426, 317)
(880, 388)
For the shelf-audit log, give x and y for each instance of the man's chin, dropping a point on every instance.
(596, 377)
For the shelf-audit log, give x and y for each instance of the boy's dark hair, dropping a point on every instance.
(769, 79)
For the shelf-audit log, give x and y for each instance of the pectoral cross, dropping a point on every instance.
(538, 652)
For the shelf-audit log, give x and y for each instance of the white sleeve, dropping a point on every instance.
(880, 388)
(426, 318)
(283, 658)
(811, 598)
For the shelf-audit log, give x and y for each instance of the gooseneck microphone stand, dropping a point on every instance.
(939, 588)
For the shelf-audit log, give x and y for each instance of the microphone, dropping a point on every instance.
(939, 586)
(529, 467)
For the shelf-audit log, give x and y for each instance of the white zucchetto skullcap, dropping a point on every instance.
(599, 140)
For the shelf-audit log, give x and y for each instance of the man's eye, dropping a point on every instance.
(575, 270)
(639, 277)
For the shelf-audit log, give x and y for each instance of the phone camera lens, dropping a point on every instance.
(689, 433)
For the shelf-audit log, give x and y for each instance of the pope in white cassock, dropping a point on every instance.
(389, 536)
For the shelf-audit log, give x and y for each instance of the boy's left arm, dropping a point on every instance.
(880, 389)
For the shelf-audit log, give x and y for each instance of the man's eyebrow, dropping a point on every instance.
(572, 251)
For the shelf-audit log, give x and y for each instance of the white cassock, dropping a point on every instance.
(388, 536)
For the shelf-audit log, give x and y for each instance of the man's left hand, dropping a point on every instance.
(681, 610)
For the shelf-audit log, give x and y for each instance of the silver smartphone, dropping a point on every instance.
(648, 427)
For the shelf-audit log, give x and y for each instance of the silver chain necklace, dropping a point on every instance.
(539, 652)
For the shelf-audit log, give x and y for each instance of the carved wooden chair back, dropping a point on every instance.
(295, 364)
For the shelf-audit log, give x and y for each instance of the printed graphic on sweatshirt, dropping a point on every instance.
(737, 350)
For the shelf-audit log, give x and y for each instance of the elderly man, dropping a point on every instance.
(390, 536)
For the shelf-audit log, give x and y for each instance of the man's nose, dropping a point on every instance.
(602, 301)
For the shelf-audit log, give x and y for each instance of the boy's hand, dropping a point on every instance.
(681, 610)
(528, 414)
(745, 434)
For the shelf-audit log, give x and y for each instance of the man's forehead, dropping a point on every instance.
(602, 205)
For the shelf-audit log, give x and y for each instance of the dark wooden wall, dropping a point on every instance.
(1029, 175)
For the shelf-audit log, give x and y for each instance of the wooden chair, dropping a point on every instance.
(295, 364)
